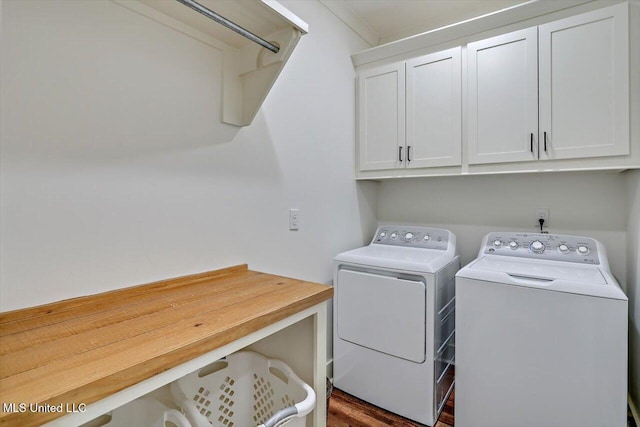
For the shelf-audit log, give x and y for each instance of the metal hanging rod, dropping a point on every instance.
(229, 24)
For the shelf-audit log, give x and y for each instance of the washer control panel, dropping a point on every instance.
(415, 237)
(557, 247)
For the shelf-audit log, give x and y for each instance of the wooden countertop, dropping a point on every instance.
(84, 349)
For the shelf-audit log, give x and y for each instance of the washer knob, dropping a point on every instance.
(537, 246)
(383, 234)
(583, 250)
(426, 238)
(564, 249)
(497, 243)
(408, 236)
(394, 235)
(513, 245)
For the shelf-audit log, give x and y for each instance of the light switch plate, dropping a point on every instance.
(294, 219)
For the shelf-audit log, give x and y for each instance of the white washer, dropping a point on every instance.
(394, 320)
(541, 327)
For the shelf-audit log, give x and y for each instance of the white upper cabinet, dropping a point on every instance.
(381, 117)
(429, 134)
(555, 95)
(584, 85)
(579, 88)
(503, 98)
(434, 106)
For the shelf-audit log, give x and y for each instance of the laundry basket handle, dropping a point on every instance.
(175, 417)
(280, 416)
(300, 409)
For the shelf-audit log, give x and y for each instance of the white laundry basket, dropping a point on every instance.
(242, 390)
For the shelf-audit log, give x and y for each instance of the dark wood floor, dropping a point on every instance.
(349, 411)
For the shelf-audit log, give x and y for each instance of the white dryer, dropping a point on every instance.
(541, 327)
(394, 320)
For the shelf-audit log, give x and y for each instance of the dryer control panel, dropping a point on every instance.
(556, 247)
(412, 236)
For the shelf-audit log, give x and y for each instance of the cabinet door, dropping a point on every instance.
(434, 105)
(584, 85)
(381, 117)
(503, 98)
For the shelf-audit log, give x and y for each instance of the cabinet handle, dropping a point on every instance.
(532, 142)
(400, 154)
(545, 141)
(408, 153)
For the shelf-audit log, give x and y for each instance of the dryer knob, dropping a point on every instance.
(583, 250)
(537, 246)
(394, 235)
(426, 238)
(408, 237)
(513, 245)
(383, 234)
(564, 249)
(497, 243)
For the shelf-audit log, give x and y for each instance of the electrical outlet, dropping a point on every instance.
(542, 213)
(294, 219)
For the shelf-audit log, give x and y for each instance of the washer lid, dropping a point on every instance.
(549, 275)
(397, 258)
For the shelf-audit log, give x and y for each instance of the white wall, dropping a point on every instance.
(116, 171)
(589, 204)
(633, 284)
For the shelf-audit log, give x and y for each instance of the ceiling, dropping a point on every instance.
(384, 21)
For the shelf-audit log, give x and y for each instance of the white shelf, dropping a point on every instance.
(249, 70)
